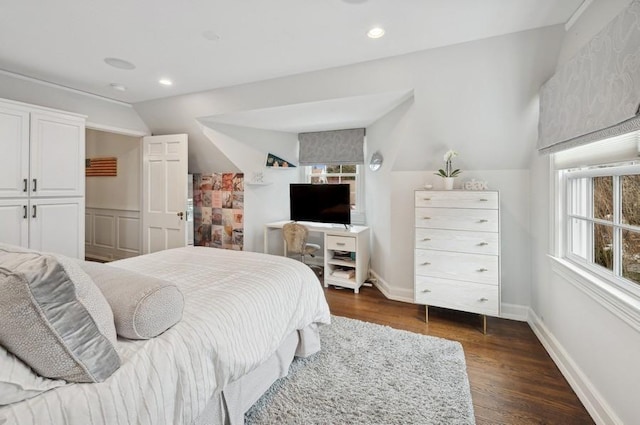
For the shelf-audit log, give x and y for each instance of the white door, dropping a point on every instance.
(57, 155)
(14, 222)
(164, 192)
(14, 155)
(57, 225)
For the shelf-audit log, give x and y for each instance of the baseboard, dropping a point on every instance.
(514, 312)
(595, 404)
(404, 295)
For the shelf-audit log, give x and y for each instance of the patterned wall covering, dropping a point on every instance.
(218, 210)
(597, 93)
(332, 147)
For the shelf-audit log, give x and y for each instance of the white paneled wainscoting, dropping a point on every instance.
(112, 234)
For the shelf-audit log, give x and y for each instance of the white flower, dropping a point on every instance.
(450, 154)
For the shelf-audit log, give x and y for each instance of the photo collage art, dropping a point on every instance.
(218, 210)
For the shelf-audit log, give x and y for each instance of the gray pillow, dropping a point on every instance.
(143, 306)
(54, 318)
(19, 382)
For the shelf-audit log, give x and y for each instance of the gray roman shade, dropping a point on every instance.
(595, 95)
(332, 147)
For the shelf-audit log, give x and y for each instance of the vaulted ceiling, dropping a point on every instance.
(206, 44)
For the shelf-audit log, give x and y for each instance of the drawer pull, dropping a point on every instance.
(340, 243)
(426, 199)
(483, 270)
(483, 220)
(426, 291)
(483, 299)
(25, 211)
(426, 218)
(24, 181)
(483, 200)
(483, 244)
(35, 185)
(426, 239)
(426, 263)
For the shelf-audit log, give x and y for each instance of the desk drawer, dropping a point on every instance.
(341, 243)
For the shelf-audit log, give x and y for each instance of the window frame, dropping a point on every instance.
(565, 216)
(358, 215)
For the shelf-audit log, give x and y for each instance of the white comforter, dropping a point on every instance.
(239, 307)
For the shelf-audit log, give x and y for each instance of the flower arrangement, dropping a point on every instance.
(448, 168)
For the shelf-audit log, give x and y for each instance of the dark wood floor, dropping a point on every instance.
(513, 379)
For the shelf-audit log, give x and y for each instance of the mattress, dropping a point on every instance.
(239, 308)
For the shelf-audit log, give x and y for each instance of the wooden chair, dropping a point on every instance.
(295, 237)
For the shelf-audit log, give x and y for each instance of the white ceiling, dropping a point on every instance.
(65, 41)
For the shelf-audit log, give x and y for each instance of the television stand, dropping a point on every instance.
(346, 251)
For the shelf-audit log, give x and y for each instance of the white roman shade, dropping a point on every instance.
(596, 94)
(332, 147)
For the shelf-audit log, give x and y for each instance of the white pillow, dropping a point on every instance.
(54, 318)
(143, 306)
(18, 382)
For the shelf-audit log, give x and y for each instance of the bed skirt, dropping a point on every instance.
(229, 405)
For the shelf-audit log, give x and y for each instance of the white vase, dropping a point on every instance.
(448, 182)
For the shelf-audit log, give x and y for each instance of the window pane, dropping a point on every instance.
(603, 198)
(631, 200)
(579, 204)
(603, 245)
(631, 255)
(579, 233)
(349, 169)
(334, 169)
(318, 180)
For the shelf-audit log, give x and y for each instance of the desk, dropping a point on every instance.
(348, 271)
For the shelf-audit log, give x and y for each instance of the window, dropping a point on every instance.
(341, 173)
(602, 222)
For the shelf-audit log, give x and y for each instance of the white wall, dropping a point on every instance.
(479, 98)
(596, 349)
(122, 191)
(99, 111)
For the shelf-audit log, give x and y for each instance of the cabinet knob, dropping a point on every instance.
(426, 263)
(482, 220)
(483, 299)
(483, 244)
(483, 270)
(426, 291)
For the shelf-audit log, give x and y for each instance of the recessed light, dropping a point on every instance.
(211, 35)
(375, 32)
(119, 63)
(165, 82)
(118, 87)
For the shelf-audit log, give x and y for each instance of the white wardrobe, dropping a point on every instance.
(42, 174)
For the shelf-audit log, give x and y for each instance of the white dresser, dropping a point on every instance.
(457, 250)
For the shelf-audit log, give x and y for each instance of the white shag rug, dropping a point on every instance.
(371, 374)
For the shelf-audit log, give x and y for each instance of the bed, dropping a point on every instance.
(245, 317)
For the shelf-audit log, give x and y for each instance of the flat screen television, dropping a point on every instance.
(323, 203)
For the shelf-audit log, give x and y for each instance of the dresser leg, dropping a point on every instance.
(426, 313)
(484, 324)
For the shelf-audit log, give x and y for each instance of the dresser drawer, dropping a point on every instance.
(464, 296)
(456, 199)
(458, 219)
(458, 240)
(342, 243)
(459, 266)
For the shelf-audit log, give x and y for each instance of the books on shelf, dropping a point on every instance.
(344, 273)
